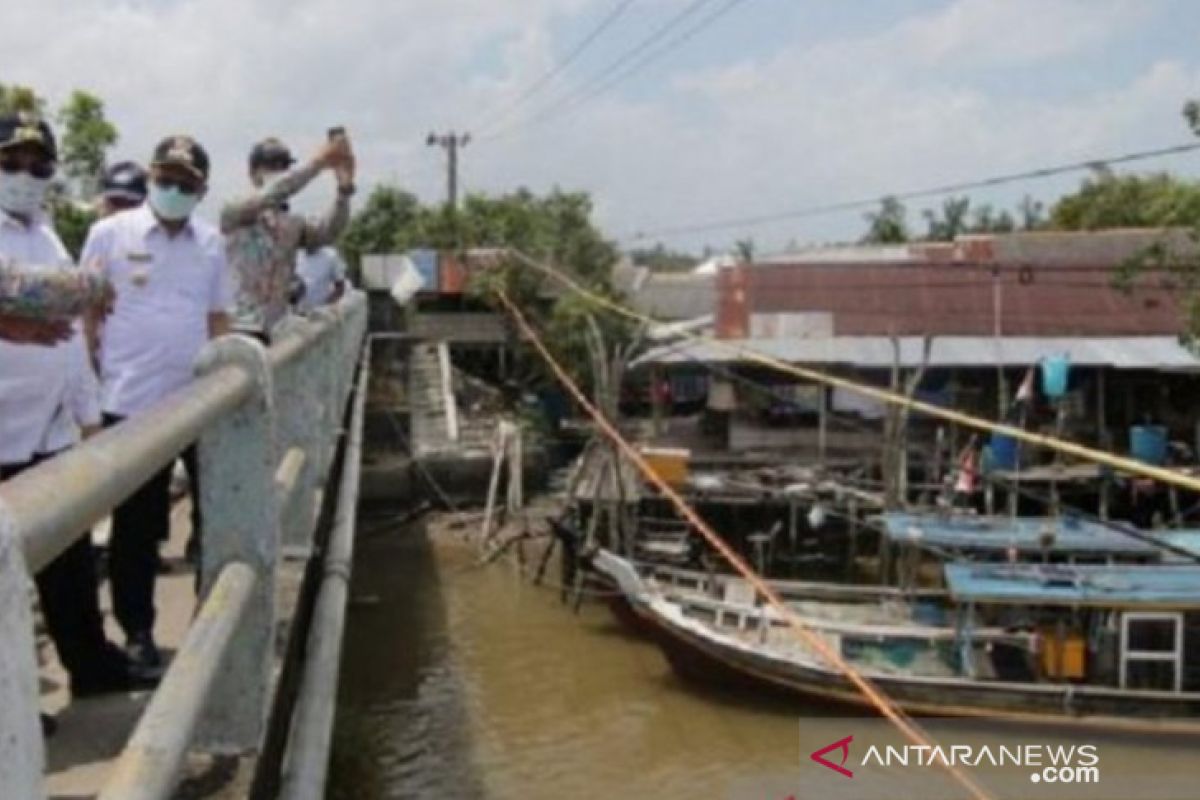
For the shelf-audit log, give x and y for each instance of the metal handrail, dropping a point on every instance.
(149, 766)
(266, 423)
(53, 504)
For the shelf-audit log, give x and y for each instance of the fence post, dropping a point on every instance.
(238, 457)
(22, 754)
(299, 423)
(325, 375)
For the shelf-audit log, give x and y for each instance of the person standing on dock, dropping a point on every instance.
(173, 295)
(48, 393)
(263, 236)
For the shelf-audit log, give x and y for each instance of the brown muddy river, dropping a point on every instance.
(468, 682)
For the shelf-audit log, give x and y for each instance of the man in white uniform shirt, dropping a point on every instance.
(173, 295)
(47, 393)
(324, 276)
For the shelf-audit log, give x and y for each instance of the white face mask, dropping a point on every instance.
(21, 193)
(172, 204)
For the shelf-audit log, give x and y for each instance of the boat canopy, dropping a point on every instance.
(983, 534)
(1118, 586)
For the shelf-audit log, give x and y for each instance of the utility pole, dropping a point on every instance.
(450, 142)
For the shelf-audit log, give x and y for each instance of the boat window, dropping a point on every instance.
(1152, 650)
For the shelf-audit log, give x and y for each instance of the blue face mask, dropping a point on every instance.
(172, 204)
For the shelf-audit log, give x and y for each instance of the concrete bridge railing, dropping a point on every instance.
(267, 423)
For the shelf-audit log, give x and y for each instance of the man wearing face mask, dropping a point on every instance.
(263, 236)
(173, 295)
(47, 393)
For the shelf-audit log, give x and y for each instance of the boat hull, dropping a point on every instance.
(699, 659)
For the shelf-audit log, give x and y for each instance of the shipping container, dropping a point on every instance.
(453, 274)
(426, 262)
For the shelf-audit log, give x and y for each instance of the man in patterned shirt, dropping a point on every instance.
(262, 236)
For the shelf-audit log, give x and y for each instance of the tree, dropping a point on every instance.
(1033, 213)
(87, 136)
(952, 221)
(14, 97)
(888, 225)
(555, 229)
(1157, 200)
(661, 259)
(1106, 200)
(387, 223)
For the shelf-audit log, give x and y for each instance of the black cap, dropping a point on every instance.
(271, 154)
(26, 127)
(182, 151)
(125, 180)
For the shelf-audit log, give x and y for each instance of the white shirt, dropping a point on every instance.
(320, 272)
(166, 287)
(45, 392)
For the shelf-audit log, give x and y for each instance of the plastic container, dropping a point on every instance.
(1148, 443)
(1004, 451)
(1055, 371)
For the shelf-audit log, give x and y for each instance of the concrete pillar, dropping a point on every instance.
(22, 754)
(238, 458)
(301, 424)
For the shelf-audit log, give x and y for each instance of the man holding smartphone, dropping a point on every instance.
(263, 235)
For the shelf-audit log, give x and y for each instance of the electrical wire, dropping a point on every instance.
(852, 205)
(876, 697)
(652, 56)
(569, 99)
(537, 85)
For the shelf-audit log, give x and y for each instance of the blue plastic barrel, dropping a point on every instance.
(1148, 443)
(1055, 370)
(1004, 451)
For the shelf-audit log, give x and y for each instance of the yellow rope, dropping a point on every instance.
(881, 701)
(1083, 452)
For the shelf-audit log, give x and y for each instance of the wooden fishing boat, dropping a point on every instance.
(1097, 646)
(680, 582)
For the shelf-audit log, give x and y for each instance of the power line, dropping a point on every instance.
(850, 205)
(566, 61)
(629, 55)
(655, 55)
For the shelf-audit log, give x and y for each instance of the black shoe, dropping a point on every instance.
(145, 662)
(110, 672)
(49, 726)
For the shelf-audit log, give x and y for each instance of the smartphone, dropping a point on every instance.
(336, 132)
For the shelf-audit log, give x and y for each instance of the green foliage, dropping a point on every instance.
(20, 98)
(555, 229)
(661, 259)
(389, 222)
(1106, 200)
(87, 136)
(888, 225)
(1154, 200)
(72, 221)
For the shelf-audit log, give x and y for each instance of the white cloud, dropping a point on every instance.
(771, 130)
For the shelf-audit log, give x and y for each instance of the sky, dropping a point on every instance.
(775, 105)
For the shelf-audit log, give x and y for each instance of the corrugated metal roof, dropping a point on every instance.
(876, 352)
(672, 297)
(1121, 586)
